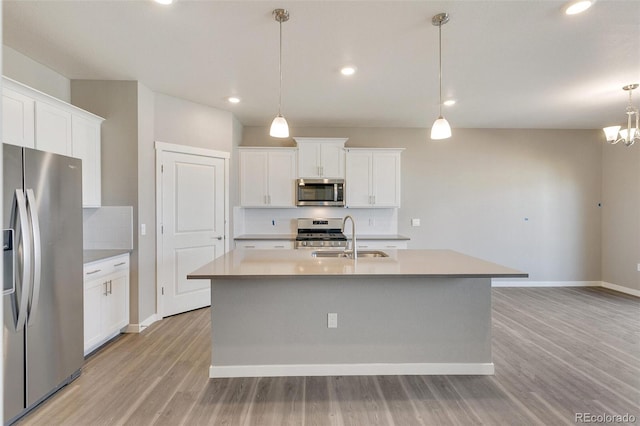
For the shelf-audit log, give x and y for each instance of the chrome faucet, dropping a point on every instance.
(354, 249)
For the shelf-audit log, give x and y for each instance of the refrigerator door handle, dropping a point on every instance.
(37, 255)
(25, 234)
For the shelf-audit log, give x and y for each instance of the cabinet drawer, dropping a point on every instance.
(265, 244)
(100, 268)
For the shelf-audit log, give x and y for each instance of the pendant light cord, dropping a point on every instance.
(440, 60)
(280, 70)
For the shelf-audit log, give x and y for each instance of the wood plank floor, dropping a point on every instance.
(557, 352)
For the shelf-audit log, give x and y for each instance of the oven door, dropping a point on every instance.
(320, 192)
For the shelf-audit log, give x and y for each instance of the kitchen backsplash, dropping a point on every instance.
(283, 221)
(107, 228)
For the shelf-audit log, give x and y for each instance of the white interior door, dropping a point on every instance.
(192, 227)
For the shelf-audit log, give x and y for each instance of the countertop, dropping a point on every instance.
(93, 255)
(292, 237)
(300, 263)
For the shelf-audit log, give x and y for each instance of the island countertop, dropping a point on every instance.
(301, 263)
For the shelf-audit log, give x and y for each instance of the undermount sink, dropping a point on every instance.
(340, 253)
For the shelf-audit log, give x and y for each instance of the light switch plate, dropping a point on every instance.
(415, 222)
(332, 320)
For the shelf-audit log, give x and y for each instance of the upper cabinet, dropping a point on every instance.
(267, 177)
(372, 177)
(53, 129)
(85, 131)
(18, 118)
(321, 157)
(36, 120)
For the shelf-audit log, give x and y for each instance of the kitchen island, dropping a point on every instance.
(288, 313)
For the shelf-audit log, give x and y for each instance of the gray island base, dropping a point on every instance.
(414, 312)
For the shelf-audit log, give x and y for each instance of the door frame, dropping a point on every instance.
(161, 148)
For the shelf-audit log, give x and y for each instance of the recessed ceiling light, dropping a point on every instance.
(165, 2)
(233, 99)
(348, 70)
(578, 6)
(449, 102)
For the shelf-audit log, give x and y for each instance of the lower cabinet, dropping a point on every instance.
(381, 244)
(106, 300)
(264, 244)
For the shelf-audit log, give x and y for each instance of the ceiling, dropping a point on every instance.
(508, 64)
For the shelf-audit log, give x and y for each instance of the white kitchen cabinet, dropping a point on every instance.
(18, 118)
(86, 146)
(36, 120)
(53, 129)
(267, 177)
(106, 300)
(321, 157)
(264, 244)
(372, 177)
(381, 244)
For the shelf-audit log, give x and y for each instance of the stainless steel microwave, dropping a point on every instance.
(320, 192)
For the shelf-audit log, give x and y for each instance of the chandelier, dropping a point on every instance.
(631, 134)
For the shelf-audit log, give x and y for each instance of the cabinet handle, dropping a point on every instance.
(249, 246)
(120, 264)
(93, 272)
(374, 199)
(110, 287)
(106, 292)
(321, 170)
(278, 246)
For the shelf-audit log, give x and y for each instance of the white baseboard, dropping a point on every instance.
(351, 369)
(621, 289)
(137, 328)
(501, 283)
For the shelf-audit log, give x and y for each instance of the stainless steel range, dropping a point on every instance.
(320, 233)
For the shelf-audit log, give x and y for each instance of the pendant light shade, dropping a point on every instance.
(279, 126)
(440, 128)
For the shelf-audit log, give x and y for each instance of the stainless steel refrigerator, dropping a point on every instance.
(43, 290)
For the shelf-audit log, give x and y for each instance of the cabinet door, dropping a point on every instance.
(332, 160)
(116, 308)
(93, 299)
(282, 175)
(308, 160)
(53, 129)
(17, 119)
(358, 179)
(386, 179)
(253, 178)
(86, 146)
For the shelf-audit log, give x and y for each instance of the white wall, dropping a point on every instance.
(621, 215)
(27, 71)
(524, 198)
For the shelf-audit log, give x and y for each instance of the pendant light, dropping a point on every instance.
(279, 126)
(631, 134)
(440, 128)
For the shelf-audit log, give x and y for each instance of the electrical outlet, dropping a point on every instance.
(143, 229)
(638, 267)
(332, 320)
(415, 222)
(273, 222)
